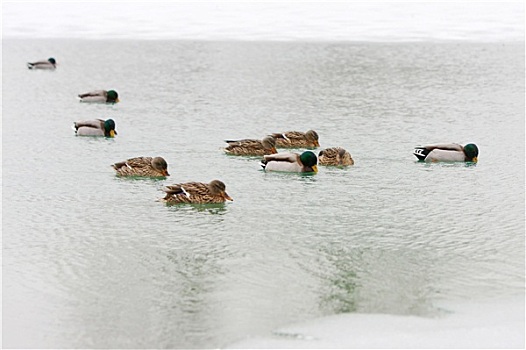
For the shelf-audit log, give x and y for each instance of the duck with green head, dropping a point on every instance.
(97, 127)
(142, 167)
(50, 64)
(100, 96)
(450, 152)
(307, 162)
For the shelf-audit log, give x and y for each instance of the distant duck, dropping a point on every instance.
(196, 192)
(297, 139)
(49, 64)
(451, 152)
(335, 156)
(97, 127)
(143, 167)
(101, 96)
(251, 147)
(291, 162)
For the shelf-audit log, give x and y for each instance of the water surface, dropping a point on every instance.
(94, 261)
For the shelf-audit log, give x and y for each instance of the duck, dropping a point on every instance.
(101, 96)
(335, 156)
(297, 139)
(252, 147)
(291, 162)
(447, 152)
(142, 167)
(197, 193)
(97, 127)
(50, 63)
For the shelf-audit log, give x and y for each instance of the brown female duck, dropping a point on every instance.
(196, 192)
(142, 166)
(297, 139)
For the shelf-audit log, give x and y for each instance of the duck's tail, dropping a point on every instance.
(421, 153)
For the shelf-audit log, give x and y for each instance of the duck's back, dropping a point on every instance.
(283, 166)
(87, 131)
(287, 162)
(89, 127)
(441, 155)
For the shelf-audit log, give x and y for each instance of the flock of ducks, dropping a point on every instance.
(215, 191)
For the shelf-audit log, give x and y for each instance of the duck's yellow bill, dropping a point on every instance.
(112, 133)
(315, 168)
(475, 160)
(117, 100)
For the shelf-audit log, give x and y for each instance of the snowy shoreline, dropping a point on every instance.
(489, 324)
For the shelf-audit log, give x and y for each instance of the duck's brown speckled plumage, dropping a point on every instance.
(251, 147)
(335, 156)
(297, 139)
(142, 166)
(196, 192)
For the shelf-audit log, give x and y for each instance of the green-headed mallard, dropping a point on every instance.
(101, 96)
(49, 64)
(335, 156)
(291, 162)
(297, 139)
(142, 166)
(251, 147)
(197, 192)
(450, 152)
(97, 127)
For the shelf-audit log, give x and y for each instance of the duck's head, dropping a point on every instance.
(109, 128)
(113, 96)
(312, 136)
(52, 60)
(310, 160)
(471, 151)
(160, 164)
(218, 188)
(269, 142)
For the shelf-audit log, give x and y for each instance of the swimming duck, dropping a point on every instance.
(142, 166)
(336, 156)
(451, 152)
(197, 192)
(110, 96)
(297, 139)
(49, 64)
(291, 162)
(250, 147)
(97, 127)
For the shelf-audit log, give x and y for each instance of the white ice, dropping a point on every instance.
(481, 325)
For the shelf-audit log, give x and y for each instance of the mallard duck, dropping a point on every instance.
(297, 139)
(336, 156)
(250, 147)
(142, 166)
(103, 96)
(97, 127)
(197, 192)
(291, 162)
(451, 152)
(49, 64)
